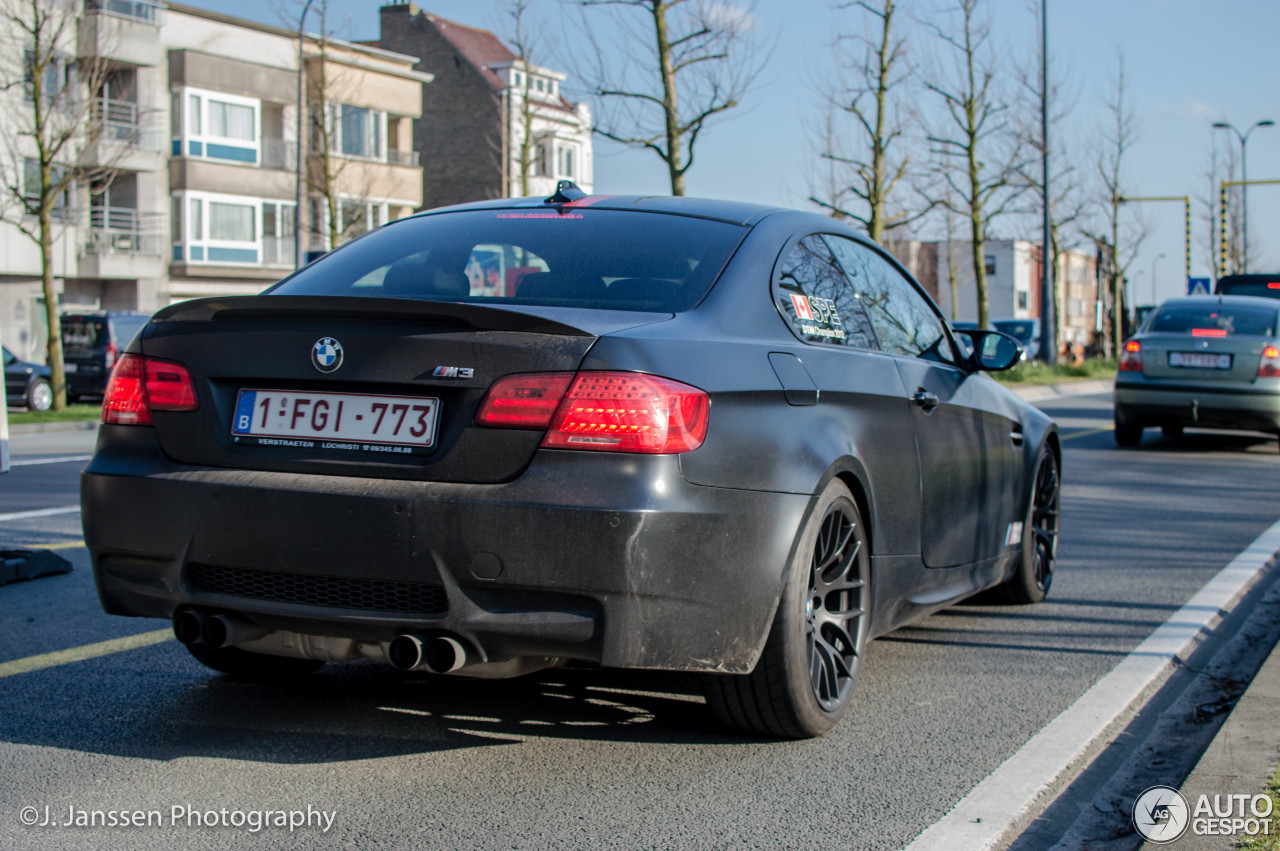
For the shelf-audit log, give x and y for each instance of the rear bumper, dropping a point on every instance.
(1254, 409)
(612, 559)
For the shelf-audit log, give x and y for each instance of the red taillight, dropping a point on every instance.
(140, 385)
(1269, 366)
(523, 401)
(1208, 332)
(1273, 285)
(629, 412)
(1131, 359)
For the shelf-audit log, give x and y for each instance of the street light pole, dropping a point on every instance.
(1154, 261)
(298, 163)
(1048, 321)
(1244, 178)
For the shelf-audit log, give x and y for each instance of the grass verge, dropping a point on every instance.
(72, 413)
(1270, 842)
(1039, 373)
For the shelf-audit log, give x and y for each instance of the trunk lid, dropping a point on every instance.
(1183, 357)
(415, 351)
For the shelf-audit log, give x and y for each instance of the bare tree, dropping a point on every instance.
(1068, 205)
(980, 157)
(1224, 165)
(1122, 234)
(875, 78)
(53, 147)
(671, 67)
(525, 39)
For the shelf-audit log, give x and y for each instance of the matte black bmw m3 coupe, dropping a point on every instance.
(659, 433)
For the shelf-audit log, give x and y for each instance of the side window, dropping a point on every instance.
(903, 320)
(817, 299)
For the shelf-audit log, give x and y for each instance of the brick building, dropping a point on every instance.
(483, 103)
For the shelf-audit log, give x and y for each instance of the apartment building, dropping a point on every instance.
(494, 124)
(200, 115)
(1013, 269)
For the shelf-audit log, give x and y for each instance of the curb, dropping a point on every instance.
(38, 428)
(1245, 752)
(1066, 388)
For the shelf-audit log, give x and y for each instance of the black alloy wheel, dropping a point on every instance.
(1034, 574)
(804, 681)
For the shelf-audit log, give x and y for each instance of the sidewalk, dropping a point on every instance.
(1243, 755)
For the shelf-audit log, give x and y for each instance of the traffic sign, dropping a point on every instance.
(1199, 286)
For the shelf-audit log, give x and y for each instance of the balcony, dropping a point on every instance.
(122, 242)
(128, 138)
(279, 154)
(123, 30)
(142, 11)
(404, 158)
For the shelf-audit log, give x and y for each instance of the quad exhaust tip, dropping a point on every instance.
(440, 655)
(217, 631)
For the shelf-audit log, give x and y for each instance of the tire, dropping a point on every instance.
(803, 683)
(255, 667)
(1034, 574)
(1172, 431)
(1128, 434)
(39, 395)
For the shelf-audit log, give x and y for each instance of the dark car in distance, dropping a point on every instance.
(1261, 286)
(654, 433)
(26, 384)
(91, 343)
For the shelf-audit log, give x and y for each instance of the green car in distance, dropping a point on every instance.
(1202, 361)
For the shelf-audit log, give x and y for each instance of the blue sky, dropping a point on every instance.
(1189, 63)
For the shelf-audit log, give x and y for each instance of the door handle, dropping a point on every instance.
(926, 400)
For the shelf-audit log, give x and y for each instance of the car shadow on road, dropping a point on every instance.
(157, 704)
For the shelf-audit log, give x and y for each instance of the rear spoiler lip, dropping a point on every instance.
(533, 319)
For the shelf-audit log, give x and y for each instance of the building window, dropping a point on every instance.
(54, 75)
(515, 78)
(566, 162)
(359, 131)
(232, 229)
(31, 188)
(1022, 301)
(220, 127)
(990, 260)
(538, 84)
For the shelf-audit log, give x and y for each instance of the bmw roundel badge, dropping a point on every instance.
(326, 354)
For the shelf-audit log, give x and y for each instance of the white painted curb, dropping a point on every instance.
(983, 818)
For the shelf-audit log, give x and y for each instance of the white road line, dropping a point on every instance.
(41, 512)
(982, 818)
(35, 461)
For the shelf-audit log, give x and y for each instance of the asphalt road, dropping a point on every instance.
(598, 759)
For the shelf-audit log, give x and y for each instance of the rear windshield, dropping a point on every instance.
(1020, 330)
(90, 332)
(83, 332)
(611, 259)
(1215, 320)
(1263, 286)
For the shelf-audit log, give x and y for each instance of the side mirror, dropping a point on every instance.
(992, 351)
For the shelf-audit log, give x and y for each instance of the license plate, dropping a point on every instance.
(1200, 360)
(353, 418)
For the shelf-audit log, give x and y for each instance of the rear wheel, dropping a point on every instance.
(39, 395)
(257, 667)
(1034, 574)
(1128, 433)
(804, 681)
